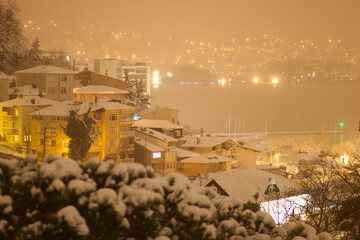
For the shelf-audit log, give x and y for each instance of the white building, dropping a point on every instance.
(117, 69)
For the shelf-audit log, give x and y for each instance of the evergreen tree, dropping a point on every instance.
(35, 52)
(78, 130)
(137, 92)
(12, 44)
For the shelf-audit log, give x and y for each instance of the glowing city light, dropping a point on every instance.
(223, 81)
(169, 74)
(255, 79)
(156, 79)
(275, 80)
(344, 158)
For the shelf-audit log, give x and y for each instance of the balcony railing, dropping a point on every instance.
(126, 120)
(11, 131)
(10, 118)
(127, 134)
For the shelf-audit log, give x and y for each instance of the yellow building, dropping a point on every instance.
(92, 93)
(114, 138)
(209, 163)
(161, 113)
(15, 119)
(57, 83)
(155, 149)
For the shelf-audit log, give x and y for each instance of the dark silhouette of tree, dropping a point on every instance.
(78, 130)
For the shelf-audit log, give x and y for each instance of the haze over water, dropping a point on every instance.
(283, 108)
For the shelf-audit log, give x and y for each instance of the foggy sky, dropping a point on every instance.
(206, 19)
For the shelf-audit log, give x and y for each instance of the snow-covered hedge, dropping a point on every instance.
(65, 199)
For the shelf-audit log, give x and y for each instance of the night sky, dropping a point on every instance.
(206, 19)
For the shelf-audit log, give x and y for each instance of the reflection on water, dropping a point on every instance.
(254, 108)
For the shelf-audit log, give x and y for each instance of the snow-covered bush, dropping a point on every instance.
(65, 199)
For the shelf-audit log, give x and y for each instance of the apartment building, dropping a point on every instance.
(57, 83)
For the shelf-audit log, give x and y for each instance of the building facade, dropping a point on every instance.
(120, 69)
(112, 133)
(57, 83)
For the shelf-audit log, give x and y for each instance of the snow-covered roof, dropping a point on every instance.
(107, 105)
(185, 153)
(26, 90)
(156, 134)
(207, 159)
(147, 111)
(4, 76)
(47, 69)
(152, 123)
(148, 145)
(249, 148)
(242, 184)
(29, 101)
(63, 108)
(192, 141)
(94, 89)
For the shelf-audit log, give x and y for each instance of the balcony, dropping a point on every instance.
(126, 120)
(127, 134)
(12, 118)
(11, 131)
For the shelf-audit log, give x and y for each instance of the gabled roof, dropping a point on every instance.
(98, 89)
(47, 69)
(156, 134)
(185, 153)
(4, 76)
(151, 123)
(242, 184)
(62, 109)
(151, 110)
(192, 141)
(29, 101)
(249, 148)
(107, 105)
(148, 145)
(207, 159)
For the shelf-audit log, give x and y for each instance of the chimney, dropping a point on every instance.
(96, 101)
(201, 132)
(197, 140)
(33, 85)
(32, 101)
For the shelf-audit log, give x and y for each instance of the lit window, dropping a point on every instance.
(65, 143)
(157, 155)
(53, 130)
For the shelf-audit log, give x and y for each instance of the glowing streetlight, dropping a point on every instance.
(169, 74)
(223, 81)
(156, 78)
(275, 80)
(256, 80)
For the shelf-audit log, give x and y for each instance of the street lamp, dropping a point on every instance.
(275, 80)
